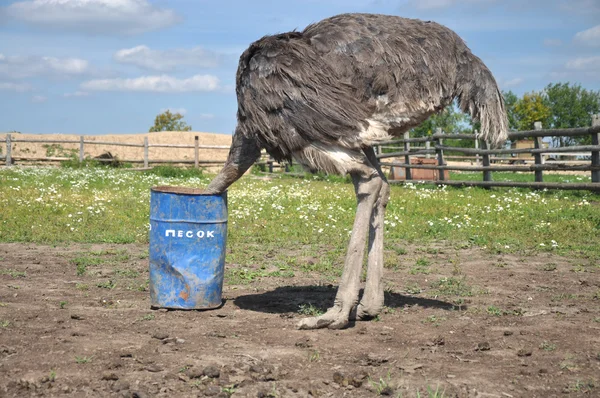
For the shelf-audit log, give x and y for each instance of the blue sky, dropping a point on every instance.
(110, 66)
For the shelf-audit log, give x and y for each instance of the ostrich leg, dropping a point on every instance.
(371, 302)
(367, 184)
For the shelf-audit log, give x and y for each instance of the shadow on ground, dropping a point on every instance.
(288, 299)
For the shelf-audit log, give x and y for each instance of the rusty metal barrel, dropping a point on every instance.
(188, 232)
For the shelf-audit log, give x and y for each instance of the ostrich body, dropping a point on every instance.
(326, 95)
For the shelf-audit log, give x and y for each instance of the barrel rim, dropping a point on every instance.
(182, 190)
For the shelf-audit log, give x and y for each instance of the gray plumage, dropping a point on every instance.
(324, 83)
(326, 95)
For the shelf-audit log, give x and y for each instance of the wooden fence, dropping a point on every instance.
(434, 146)
(488, 160)
(10, 140)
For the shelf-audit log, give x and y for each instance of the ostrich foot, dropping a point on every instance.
(366, 312)
(370, 305)
(334, 318)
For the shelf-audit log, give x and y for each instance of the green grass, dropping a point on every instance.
(84, 359)
(519, 177)
(13, 273)
(109, 284)
(434, 320)
(421, 266)
(451, 286)
(547, 346)
(495, 311)
(84, 261)
(306, 216)
(310, 310)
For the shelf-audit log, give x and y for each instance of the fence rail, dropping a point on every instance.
(485, 156)
(487, 159)
(10, 140)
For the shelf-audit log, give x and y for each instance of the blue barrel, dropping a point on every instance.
(188, 231)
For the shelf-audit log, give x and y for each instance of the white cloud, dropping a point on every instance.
(207, 116)
(584, 64)
(38, 99)
(18, 87)
(181, 111)
(93, 16)
(76, 94)
(512, 82)
(590, 37)
(167, 60)
(581, 69)
(18, 67)
(159, 84)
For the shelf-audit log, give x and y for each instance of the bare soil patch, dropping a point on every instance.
(531, 328)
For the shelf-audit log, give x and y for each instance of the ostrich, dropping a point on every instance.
(326, 95)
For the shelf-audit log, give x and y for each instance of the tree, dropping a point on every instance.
(570, 107)
(510, 99)
(168, 121)
(530, 109)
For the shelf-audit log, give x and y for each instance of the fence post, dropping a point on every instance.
(476, 147)
(539, 158)
(427, 148)
(196, 152)
(408, 173)
(80, 149)
(8, 150)
(270, 163)
(596, 154)
(485, 159)
(440, 155)
(145, 152)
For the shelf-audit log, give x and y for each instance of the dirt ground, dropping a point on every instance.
(532, 329)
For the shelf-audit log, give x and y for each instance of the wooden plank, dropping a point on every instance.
(573, 132)
(530, 168)
(539, 159)
(46, 141)
(531, 185)
(188, 146)
(186, 161)
(440, 156)
(407, 174)
(114, 143)
(485, 161)
(145, 151)
(596, 154)
(60, 159)
(185, 146)
(472, 151)
(477, 160)
(404, 153)
(8, 150)
(81, 151)
(401, 140)
(196, 151)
